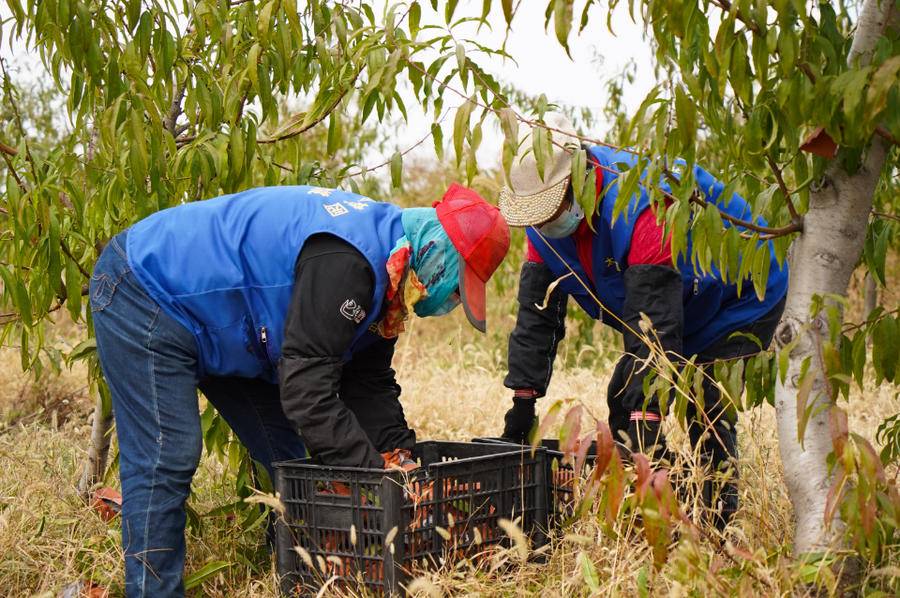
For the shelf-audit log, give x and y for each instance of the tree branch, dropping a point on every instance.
(726, 6)
(9, 317)
(795, 217)
(8, 150)
(886, 216)
(321, 117)
(289, 134)
(7, 85)
(68, 252)
(364, 170)
(768, 232)
(175, 109)
(12, 171)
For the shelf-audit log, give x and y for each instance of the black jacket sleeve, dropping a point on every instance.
(331, 297)
(369, 389)
(533, 342)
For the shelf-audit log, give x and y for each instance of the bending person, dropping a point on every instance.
(628, 265)
(302, 289)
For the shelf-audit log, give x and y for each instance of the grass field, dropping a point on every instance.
(452, 384)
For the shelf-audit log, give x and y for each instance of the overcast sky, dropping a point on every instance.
(542, 66)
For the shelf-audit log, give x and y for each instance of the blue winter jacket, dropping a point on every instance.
(224, 267)
(712, 308)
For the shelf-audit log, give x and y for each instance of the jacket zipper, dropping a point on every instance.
(264, 340)
(696, 285)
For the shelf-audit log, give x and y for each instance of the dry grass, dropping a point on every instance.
(452, 390)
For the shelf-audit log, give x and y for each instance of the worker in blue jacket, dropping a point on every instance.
(282, 305)
(617, 269)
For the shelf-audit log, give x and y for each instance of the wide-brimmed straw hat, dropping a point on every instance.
(530, 199)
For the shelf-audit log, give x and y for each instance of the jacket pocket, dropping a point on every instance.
(703, 300)
(258, 342)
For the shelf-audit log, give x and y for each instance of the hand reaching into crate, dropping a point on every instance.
(399, 459)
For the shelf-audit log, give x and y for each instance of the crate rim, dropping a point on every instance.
(306, 463)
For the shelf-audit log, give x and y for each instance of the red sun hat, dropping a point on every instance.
(481, 236)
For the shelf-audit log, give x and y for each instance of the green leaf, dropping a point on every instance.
(396, 170)
(461, 63)
(883, 80)
(508, 14)
(264, 21)
(588, 198)
(73, 289)
(252, 60)
(579, 172)
(858, 354)
(885, 349)
(562, 22)
(540, 148)
(460, 128)
(510, 125)
(54, 251)
(686, 116)
(437, 135)
(208, 570)
(879, 254)
(16, 8)
(760, 271)
(82, 350)
(236, 147)
(449, 9)
(20, 299)
(589, 573)
(415, 16)
(332, 143)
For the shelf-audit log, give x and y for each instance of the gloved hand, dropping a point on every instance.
(399, 459)
(519, 420)
(646, 437)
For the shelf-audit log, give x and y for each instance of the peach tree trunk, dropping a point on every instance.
(822, 260)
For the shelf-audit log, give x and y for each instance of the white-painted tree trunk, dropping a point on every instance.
(822, 260)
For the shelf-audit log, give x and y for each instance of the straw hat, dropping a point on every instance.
(530, 200)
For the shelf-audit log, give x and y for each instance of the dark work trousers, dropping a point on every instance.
(714, 430)
(724, 348)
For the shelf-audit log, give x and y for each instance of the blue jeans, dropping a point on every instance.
(150, 364)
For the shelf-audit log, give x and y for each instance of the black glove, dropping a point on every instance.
(519, 420)
(647, 437)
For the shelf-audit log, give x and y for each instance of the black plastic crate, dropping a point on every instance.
(561, 477)
(371, 526)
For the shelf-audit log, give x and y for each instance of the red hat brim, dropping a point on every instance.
(473, 293)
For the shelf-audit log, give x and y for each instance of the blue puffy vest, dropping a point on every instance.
(224, 267)
(712, 308)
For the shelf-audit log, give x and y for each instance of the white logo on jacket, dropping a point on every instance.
(351, 310)
(335, 209)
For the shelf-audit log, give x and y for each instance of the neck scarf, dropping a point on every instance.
(423, 271)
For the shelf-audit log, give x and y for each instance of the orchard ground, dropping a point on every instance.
(452, 389)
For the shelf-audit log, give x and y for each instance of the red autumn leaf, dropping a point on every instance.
(642, 470)
(83, 589)
(107, 502)
(584, 445)
(660, 484)
(867, 510)
(820, 143)
(837, 424)
(569, 432)
(605, 447)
